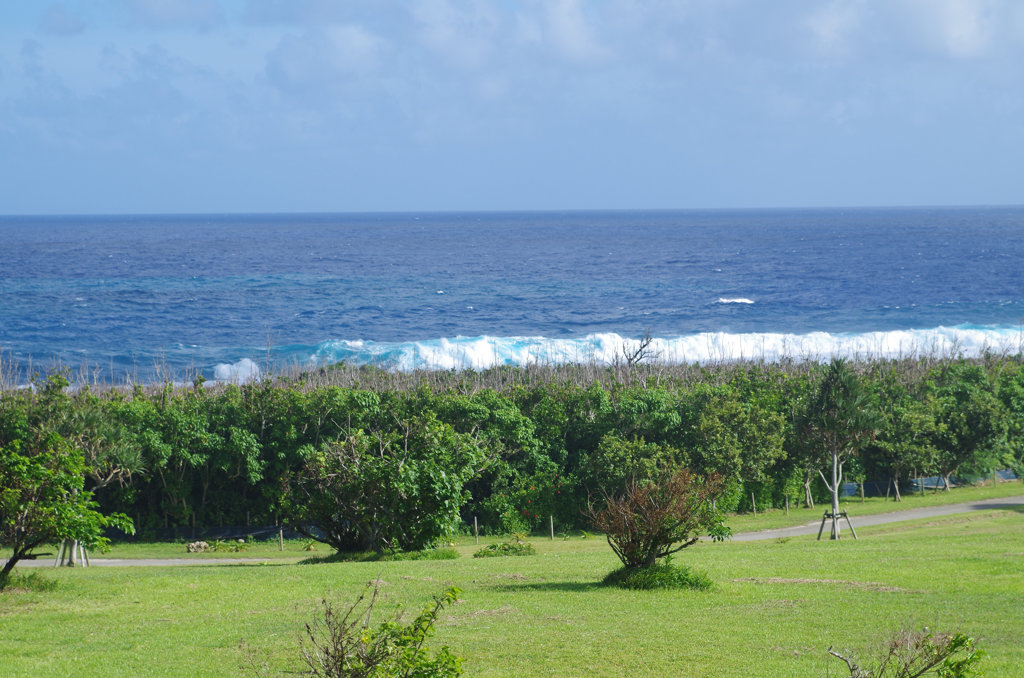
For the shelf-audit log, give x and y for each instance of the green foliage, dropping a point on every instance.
(617, 462)
(345, 643)
(547, 439)
(515, 546)
(910, 653)
(391, 490)
(373, 556)
(658, 576)
(33, 581)
(42, 495)
(838, 420)
(228, 546)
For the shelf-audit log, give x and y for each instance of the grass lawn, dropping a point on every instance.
(777, 606)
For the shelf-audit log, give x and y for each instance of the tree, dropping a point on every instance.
(839, 419)
(384, 491)
(972, 421)
(42, 499)
(652, 520)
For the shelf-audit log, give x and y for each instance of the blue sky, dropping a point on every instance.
(110, 106)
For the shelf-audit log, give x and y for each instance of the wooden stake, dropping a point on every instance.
(280, 537)
(476, 531)
(552, 519)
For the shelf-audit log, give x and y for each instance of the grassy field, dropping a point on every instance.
(776, 608)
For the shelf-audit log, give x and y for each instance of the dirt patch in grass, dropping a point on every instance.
(469, 617)
(863, 585)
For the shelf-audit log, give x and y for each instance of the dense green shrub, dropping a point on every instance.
(392, 490)
(664, 575)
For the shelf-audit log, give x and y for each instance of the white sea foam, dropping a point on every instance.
(607, 348)
(736, 300)
(242, 372)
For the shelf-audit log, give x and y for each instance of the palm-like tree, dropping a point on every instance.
(838, 420)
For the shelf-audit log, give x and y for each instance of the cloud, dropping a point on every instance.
(61, 21)
(320, 64)
(569, 29)
(465, 35)
(202, 15)
(834, 26)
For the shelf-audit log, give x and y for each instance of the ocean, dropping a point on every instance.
(143, 298)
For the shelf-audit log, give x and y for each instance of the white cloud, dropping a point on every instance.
(569, 29)
(834, 26)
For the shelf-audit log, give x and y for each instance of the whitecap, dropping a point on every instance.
(609, 348)
(735, 300)
(242, 372)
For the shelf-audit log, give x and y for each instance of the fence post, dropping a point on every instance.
(552, 519)
(476, 531)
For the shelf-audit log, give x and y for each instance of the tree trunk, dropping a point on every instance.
(835, 495)
(5, 573)
(896, 487)
(808, 499)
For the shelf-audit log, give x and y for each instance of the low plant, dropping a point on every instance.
(665, 575)
(33, 581)
(346, 643)
(910, 653)
(515, 546)
(228, 546)
(373, 556)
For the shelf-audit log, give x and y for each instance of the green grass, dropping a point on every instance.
(773, 610)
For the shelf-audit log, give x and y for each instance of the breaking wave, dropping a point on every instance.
(483, 352)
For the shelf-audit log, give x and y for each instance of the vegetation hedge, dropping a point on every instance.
(540, 441)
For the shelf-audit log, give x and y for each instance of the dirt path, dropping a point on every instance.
(799, 530)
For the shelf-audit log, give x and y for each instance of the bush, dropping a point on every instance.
(388, 490)
(659, 576)
(343, 643)
(910, 653)
(515, 546)
(652, 520)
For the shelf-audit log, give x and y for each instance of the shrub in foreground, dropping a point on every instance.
(343, 642)
(910, 653)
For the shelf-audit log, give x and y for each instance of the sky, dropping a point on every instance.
(185, 106)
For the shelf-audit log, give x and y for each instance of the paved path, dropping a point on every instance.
(881, 518)
(799, 530)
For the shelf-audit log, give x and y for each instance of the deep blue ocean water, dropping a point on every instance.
(227, 295)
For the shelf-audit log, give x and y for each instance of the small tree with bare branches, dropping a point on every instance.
(654, 519)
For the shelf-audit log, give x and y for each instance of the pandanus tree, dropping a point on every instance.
(840, 418)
